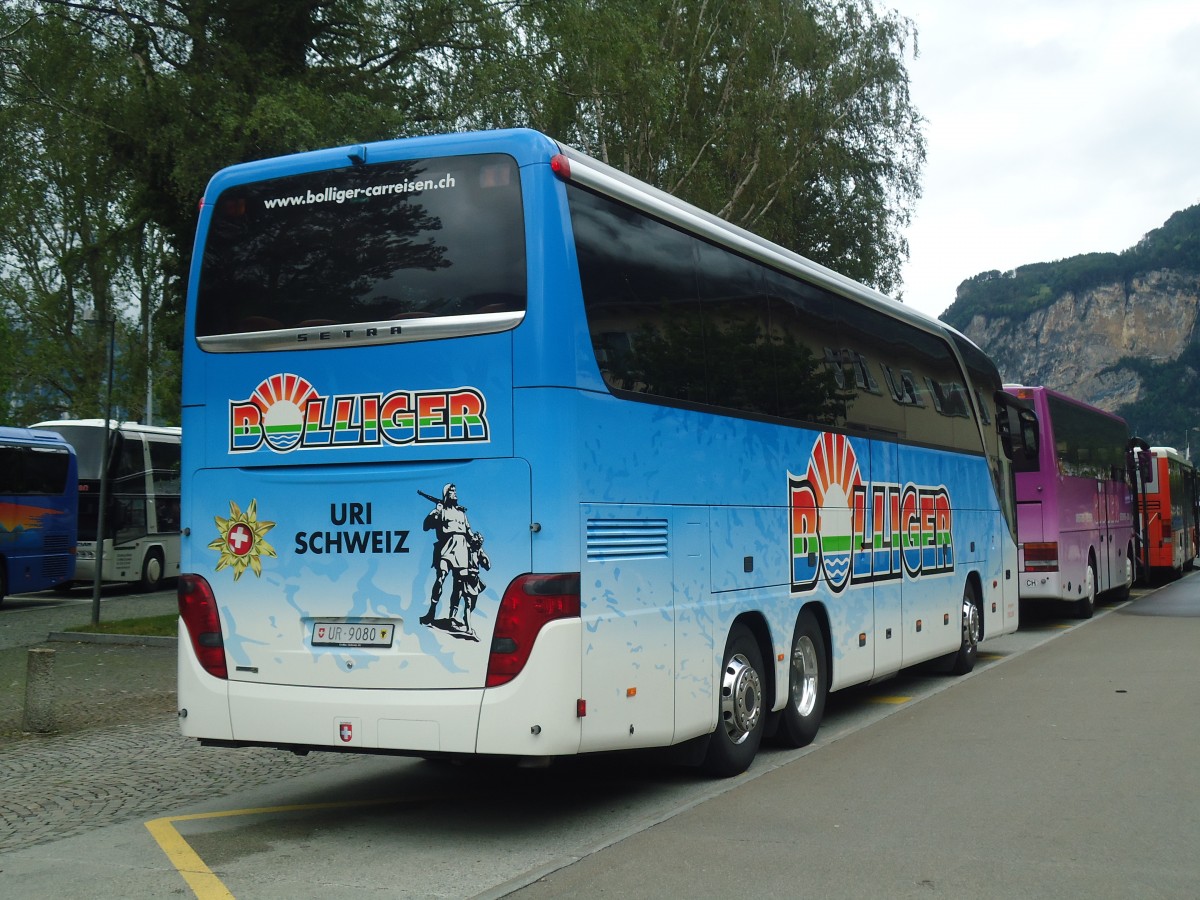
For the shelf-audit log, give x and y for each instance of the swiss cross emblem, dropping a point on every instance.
(346, 732)
(240, 539)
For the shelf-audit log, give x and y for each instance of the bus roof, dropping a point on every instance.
(12, 435)
(128, 427)
(1015, 390)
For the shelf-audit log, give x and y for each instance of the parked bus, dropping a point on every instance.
(1075, 513)
(1167, 504)
(38, 497)
(141, 523)
(716, 480)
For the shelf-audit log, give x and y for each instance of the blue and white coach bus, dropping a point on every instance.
(492, 449)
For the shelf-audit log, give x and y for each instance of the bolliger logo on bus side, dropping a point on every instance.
(851, 531)
(285, 412)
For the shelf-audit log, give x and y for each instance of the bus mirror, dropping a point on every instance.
(1029, 432)
(1140, 460)
(1017, 426)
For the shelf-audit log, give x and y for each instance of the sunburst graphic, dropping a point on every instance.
(833, 470)
(834, 473)
(281, 398)
(241, 542)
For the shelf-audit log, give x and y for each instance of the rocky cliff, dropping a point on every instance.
(1116, 330)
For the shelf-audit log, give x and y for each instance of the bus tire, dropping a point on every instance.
(3, 581)
(963, 661)
(152, 571)
(1085, 606)
(742, 713)
(808, 684)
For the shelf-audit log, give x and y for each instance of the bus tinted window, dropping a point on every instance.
(676, 317)
(414, 239)
(31, 470)
(1086, 442)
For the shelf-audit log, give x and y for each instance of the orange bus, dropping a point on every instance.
(1167, 511)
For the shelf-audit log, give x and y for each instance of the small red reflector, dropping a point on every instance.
(561, 166)
(580, 709)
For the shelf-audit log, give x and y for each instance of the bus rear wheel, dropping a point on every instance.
(152, 571)
(742, 714)
(808, 684)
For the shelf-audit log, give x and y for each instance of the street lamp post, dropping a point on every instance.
(97, 577)
(1188, 441)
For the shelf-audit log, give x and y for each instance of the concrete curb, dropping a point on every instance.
(134, 639)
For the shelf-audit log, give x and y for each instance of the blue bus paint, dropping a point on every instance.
(679, 517)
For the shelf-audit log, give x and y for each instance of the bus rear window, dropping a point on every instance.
(415, 239)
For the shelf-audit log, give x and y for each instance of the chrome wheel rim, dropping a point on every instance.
(804, 675)
(741, 698)
(970, 624)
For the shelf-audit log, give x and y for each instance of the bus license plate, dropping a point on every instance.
(353, 634)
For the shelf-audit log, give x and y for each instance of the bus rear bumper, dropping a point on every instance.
(533, 715)
(1042, 586)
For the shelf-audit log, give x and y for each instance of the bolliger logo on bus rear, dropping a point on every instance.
(851, 531)
(285, 412)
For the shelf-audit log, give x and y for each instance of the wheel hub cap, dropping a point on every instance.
(741, 699)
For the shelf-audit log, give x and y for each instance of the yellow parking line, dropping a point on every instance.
(896, 701)
(200, 878)
(204, 884)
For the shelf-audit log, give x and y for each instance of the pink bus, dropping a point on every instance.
(1074, 504)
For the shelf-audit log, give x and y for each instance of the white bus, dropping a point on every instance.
(141, 540)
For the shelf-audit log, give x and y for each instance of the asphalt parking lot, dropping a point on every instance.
(1063, 767)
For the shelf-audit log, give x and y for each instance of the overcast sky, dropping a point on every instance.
(1054, 127)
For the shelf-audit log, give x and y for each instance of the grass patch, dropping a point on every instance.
(149, 626)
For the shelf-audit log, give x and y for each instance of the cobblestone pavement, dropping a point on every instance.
(59, 786)
(116, 753)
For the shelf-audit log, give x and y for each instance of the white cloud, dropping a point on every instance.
(1054, 128)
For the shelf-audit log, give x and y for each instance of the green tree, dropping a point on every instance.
(791, 119)
(63, 220)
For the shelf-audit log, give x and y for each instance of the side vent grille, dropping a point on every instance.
(627, 539)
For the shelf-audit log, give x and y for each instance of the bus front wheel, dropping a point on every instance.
(1085, 606)
(808, 684)
(742, 714)
(152, 571)
(963, 661)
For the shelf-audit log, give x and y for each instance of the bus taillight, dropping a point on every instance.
(1041, 557)
(198, 609)
(561, 166)
(529, 603)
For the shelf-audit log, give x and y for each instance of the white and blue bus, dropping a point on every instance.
(490, 449)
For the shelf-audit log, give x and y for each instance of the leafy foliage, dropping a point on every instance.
(1167, 409)
(791, 119)
(1176, 245)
